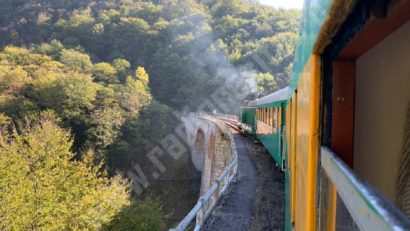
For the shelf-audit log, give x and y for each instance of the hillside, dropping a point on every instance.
(107, 75)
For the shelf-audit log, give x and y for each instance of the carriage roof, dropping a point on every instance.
(269, 100)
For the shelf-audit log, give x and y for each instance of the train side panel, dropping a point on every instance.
(269, 135)
(307, 145)
(248, 117)
(290, 150)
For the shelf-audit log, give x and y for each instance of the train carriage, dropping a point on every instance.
(343, 129)
(268, 122)
(248, 119)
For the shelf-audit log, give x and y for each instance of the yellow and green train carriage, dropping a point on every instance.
(342, 133)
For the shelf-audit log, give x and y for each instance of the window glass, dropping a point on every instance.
(267, 116)
(279, 117)
(274, 118)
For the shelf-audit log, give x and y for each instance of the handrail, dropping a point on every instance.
(368, 208)
(284, 148)
(228, 116)
(205, 205)
(216, 115)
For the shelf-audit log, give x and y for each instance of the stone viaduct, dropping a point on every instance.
(210, 144)
(214, 154)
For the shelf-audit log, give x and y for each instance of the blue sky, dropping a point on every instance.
(284, 3)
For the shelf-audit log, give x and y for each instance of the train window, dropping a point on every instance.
(267, 119)
(263, 114)
(268, 116)
(279, 117)
(274, 118)
(271, 117)
(258, 114)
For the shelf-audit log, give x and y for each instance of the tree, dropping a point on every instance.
(69, 94)
(227, 7)
(104, 127)
(142, 75)
(78, 18)
(53, 49)
(76, 60)
(16, 55)
(133, 96)
(43, 188)
(12, 79)
(266, 83)
(104, 72)
(141, 215)
(17, 107)
(122, 66)
(4, 120)
(139, 134)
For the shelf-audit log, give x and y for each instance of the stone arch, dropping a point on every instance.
(199, 150)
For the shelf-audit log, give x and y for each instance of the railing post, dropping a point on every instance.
(218, 187)
(202, 213)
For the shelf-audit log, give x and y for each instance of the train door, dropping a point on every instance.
(291, 160)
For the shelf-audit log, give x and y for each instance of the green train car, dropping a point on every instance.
(248, 119)
(265, 118)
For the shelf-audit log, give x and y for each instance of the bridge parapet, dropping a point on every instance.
(213, 152)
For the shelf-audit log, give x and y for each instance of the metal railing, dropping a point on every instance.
(227, 116)
(368, 209)
(205, 205)
(216, 115)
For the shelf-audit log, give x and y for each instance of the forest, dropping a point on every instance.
(88, 87)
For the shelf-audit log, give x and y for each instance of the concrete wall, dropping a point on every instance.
(382, 97)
